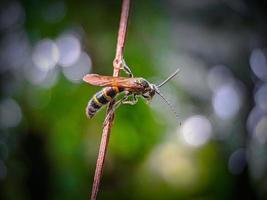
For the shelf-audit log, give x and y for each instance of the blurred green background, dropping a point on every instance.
(48, 148)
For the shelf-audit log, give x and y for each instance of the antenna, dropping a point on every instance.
(169, 78)
(168, 103)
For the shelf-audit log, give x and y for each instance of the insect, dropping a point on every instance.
(132, 87)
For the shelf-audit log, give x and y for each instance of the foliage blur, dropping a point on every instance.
(215, 150)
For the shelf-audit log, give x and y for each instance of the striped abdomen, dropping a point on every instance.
(101, 98)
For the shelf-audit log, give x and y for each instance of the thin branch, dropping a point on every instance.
(110, 111)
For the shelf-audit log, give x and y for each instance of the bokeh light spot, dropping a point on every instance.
(13, 14)
(237, 161)
(260, 131)
(258, 64)
(45, 55)
(254, 116)
(261, 97)
(10, 113)
(173, 165)
(15, 51)
(226, 102)
(34, 75)
(81, 67)
(196, 130)
(69, 49)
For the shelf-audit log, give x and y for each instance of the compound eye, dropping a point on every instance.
(144, 83)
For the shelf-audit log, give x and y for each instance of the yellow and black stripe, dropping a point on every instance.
(101, 98)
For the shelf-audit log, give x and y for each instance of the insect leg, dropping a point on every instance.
(147, 97)
(125, 101)
(131, 102)
(126, 69)
(119, 102)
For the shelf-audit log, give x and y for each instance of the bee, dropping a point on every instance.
(133, 87)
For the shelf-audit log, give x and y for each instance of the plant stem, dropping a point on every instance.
(107, 125)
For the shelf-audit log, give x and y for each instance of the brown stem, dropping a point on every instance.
(121, 37)
(110, 111)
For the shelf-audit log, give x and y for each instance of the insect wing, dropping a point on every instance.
(95, 79)
(109, 81)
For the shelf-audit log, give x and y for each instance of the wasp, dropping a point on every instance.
(133, 87)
